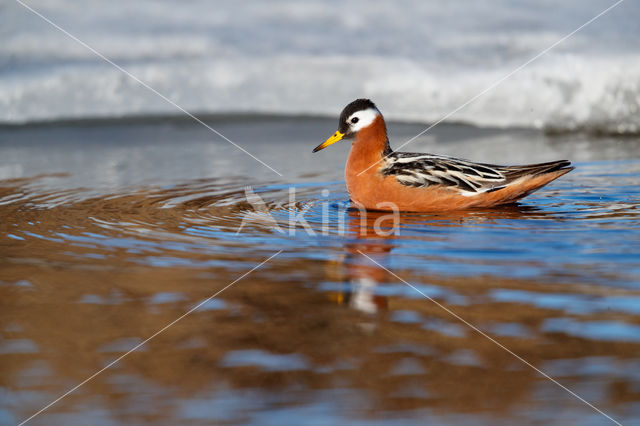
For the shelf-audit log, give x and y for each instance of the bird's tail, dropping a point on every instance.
(524, 180)
(515, 172)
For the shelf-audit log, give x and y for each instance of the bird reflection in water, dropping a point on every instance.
(371, 235)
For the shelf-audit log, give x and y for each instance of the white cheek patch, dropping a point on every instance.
(365, 118)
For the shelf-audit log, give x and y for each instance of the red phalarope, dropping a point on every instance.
(381, 179)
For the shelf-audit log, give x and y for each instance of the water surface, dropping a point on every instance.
(111, 230)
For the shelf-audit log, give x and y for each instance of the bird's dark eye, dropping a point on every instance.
(354, 120)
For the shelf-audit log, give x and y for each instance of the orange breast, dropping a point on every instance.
(374, 191)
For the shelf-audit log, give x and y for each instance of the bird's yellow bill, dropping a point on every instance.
(333, 139)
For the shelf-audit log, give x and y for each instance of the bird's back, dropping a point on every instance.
(478, 184)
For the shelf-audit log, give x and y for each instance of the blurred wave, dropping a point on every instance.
(417, 60)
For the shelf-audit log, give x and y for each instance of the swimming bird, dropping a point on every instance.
(379, 178)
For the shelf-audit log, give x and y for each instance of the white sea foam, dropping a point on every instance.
(416, 60)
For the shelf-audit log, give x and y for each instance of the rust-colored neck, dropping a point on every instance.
(370, 145)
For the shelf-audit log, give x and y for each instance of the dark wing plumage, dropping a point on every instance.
(420, 170)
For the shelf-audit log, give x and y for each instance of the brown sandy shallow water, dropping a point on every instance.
(109, 231)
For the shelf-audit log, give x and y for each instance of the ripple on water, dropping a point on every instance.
(555, 278)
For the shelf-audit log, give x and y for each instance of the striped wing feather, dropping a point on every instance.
(421, 170)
